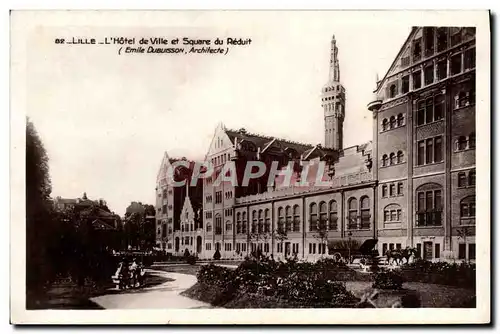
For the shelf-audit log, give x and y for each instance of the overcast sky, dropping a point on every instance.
(106, 119)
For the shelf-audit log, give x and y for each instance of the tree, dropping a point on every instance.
(39, 213)
(322, 232)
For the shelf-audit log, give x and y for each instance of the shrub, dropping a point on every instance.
(391, 280)
(217, 255)
(191, 259)
(454, 274)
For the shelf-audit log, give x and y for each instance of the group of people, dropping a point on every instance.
(129, 275)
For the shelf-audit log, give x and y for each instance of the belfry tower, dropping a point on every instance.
(333, 102)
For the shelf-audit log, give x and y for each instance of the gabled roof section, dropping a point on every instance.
(265, 142)
(396, 62)
(165, 163)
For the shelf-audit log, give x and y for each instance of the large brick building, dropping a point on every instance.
(412, 185)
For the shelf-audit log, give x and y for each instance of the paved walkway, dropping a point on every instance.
(166, 295)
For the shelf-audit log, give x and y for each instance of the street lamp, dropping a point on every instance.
(349, 235)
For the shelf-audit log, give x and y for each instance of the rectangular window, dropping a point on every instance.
(417, 80)
(398, 246)
(438, 107)
(405, 84)
(391, 246)
(438, 149)
(461, 251)
(400, 188)
(420, 113)
(456, 35)
(442, 39)
(437, 200)
(456, 64)
(428, 201)
(464, 210)
(384, 248)
(384, 191)
(429, 74)
(392, 189)
(470, 59)
(472, 251)
(393, 216)
(419, 250)
(421, 153)
(417, 49)
(442, 70)
(429, 108)
(386, 215)
(428, 149)
(437, 251)
(314, 248)
(429, 41)
(421, 203)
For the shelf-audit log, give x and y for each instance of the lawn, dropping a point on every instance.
(187, 269)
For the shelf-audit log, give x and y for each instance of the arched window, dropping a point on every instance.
(281, 219)
(392, 214)
(244, 223)
(238, 223)
(229, 226)
(296, 218)
(353, 214)
(323, 216)
(393, 122)
(384, 160)
(468, 210)
(365, 212)
(384, 124)
(332, 222)
(429, 204)
(267, 223)
(392, 91)
(461, 143)
(261, 222)
(472, 140)
(254, 221)
(288, 221)
(313, 217)
(401, 120)
(400, 157)
(392, 158)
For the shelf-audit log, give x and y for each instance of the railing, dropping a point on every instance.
(429, 218)
(341, 181)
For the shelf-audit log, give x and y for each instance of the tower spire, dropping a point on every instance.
(334, 62)
(333, 102)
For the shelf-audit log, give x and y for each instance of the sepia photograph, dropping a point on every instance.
(231, 164)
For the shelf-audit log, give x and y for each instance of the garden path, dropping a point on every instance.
(163, 296)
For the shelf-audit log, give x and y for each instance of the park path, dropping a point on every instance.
(162, 296)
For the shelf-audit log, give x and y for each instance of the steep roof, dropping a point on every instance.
(263, 142)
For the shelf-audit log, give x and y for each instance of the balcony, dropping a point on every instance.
(429, 219)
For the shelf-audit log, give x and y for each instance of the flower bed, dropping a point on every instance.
(299, 283)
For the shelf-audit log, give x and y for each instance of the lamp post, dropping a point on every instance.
(349, 235)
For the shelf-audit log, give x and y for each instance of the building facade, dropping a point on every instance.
(412, 185)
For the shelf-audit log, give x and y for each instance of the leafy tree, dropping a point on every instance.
(322, 232)
(39, 213)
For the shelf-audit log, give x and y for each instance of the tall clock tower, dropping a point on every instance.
(333, 102)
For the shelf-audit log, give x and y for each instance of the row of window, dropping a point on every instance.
(187, 241)
(208, 198)
(228, 212)
(221, 159)
(241, 247)
(392, 215)
(208, 214)
(289, 220)
(218, 197)
(393, 122)
(392, 159)
(321, 248)
(228, 247)
(228, 194)
(392, 189)
(328, 216)
(286, 249)
(429, 206)
(262, 222)
(430, 150)
(433, 72)
(464, 143)
(261, 247)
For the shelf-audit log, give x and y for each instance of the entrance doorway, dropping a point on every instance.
(427, 250)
